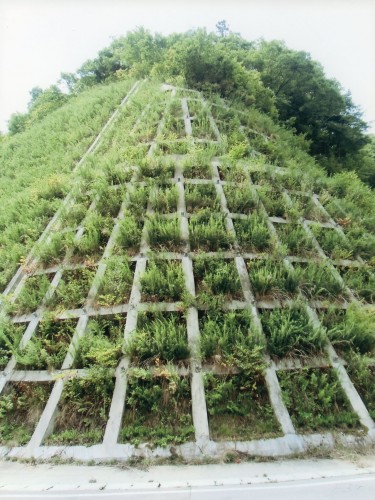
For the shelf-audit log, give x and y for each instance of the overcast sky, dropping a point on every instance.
(41, 38)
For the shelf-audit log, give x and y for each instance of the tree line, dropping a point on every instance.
(283, 83)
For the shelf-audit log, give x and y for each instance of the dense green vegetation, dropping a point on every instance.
(214, 268)
(286, 84)
(36, 164)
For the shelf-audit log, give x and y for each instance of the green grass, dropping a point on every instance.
(117, 282)
(164, 199)
(10, 336)
(271, 279)
(351, 329)
(317, 281)
(164, 234)
(102, 343)
(361, 280)
(216, 278)
(332, 243)
(240, 198)
(295, 241)
(32, 294)
(72, 289)
(200, 196)
(48, 347)
(36, 168)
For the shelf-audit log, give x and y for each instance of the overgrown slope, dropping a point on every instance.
(205, 283)
(36, 166)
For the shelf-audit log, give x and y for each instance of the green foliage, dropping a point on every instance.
(198, 196)
(163, 280)
(10, 336)
(361, 371)
(218, 278)
(164, 233)
(157, 408)
(238, 407)
(73, 288)
(30, 162)
(252, 233)
(289, 332)
(352, 329)
(53, 249)
(83, 410)
(318, 281)
(101, 346)
(97, 230)
(164, 199)
(230, 338)
(271, 278)
(240, 199)
(32, 294)
(361, 280)
(332, 243)
(158, 338)
(316, 401)
(21, 405)
(273, 201)
(48, 347)
(295, 240)
(130, 232)
(208, 232)
(117, 282)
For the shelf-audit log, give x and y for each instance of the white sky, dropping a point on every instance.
(39, 39)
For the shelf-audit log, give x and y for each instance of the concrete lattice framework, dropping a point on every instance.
(291, 442)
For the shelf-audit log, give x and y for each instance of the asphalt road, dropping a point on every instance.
(360, 487)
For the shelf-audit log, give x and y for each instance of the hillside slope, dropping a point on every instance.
(205, 289)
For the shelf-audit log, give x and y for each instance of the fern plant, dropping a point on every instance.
(163, 280)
